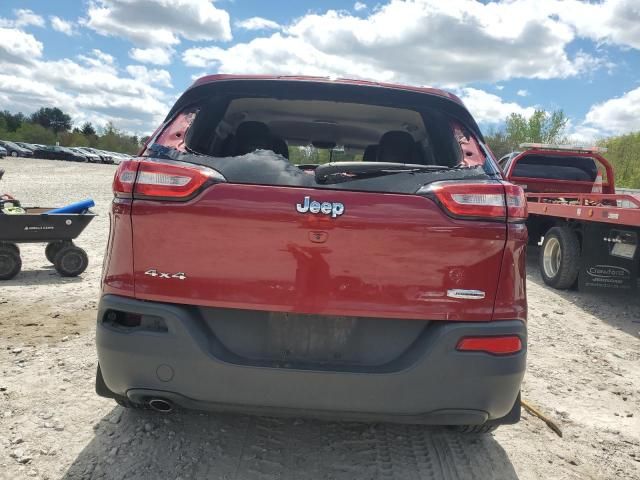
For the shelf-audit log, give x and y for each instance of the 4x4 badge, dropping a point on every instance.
(154, 273)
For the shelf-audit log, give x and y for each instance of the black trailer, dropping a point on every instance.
(36, 226)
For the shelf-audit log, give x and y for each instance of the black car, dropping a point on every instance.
(54, 152)
(28, 146)
(15, 150)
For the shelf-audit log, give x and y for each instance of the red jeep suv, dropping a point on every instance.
(307, 246)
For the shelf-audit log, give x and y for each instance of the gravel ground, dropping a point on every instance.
(583, 372)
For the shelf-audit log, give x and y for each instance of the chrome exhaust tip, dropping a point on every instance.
(161, 405)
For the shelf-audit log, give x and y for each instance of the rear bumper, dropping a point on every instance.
(434, 384)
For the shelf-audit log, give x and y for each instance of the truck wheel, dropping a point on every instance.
(71, 261)
(559, 259)
(53, 248)
(12, 246)
(10, 262)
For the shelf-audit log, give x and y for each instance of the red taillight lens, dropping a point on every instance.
(161, 179)
(506, 345)
(124, 178)
(470, 199)
(516, 203)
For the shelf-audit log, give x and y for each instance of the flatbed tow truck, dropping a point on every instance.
(588, 234)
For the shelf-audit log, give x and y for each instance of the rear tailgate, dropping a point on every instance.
(248, 247)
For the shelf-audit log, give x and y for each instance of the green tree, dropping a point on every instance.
(87, 129)
(541, 127)
(624, 154)
(12, 121)
(73, 139)
(52, 118)
(114, 140)
(34, 133)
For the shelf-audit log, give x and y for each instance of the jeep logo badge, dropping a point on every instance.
(335, 209)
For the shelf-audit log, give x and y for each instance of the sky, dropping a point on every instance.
(127, 61)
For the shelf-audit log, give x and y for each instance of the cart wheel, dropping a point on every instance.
(53, 248)
(10, 262)
(71, 261)
(559, 259)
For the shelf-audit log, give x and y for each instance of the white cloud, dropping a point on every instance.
(258, 23)
(610, 21)
(18, 46)
(440, 43)
(159, 23)
(151, 76)
(523, 93)
(89, 88)
(488, 108)
(499, 87)
(616, 115)
(154, 55)
(23, 18)
(358, 6)
(62, 26)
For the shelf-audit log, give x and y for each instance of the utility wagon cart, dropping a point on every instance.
(36, 226)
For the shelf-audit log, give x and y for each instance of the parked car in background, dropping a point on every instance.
(112, 157)
(15, 150)
(91, 157)
(3, 152)
(54, 152)
(28, 146)
(106, 157)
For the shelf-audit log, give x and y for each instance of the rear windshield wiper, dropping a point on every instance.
(345, 171)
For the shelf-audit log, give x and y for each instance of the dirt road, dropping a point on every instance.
(584, 372)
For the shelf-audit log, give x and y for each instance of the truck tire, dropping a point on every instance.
(10, 262)
(13, 246)
(71, 261)
(559, 258)
(53, 248)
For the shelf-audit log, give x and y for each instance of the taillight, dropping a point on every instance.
(124, 178)
(504, 345)
(162, 179)
(516, 203)
(476, 200)
(479, 200)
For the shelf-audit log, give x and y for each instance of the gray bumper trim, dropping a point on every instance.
(440, 386)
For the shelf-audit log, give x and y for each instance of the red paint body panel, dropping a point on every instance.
(117, 271)
(388, 255)
(593, 207)
(511, 297)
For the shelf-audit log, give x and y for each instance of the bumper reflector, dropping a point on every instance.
(506, 345)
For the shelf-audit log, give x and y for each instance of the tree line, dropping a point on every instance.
(49, 126)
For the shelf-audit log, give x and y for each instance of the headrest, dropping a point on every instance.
(370, 153)
(396, 146)
(279, 146)
(251, 136)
